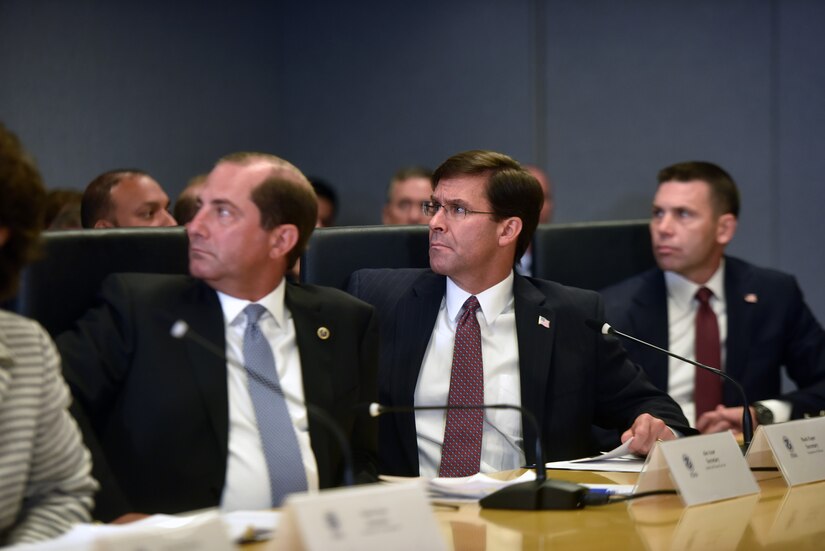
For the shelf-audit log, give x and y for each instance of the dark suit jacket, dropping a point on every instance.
(769, 325)
(158, 406)
(570, 376)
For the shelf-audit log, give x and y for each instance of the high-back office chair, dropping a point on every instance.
(334, 253)
(59, 287)
(592, 255)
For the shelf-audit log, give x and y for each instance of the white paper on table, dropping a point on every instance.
(473, 487)
(618, 460)
(239, 525)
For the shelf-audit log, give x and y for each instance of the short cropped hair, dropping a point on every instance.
(284, 197)
(723, 191)
(407, 173)
(97, 198)
(511, 190)
(22, 210)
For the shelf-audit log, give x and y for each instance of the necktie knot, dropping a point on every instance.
(703, 295)
(471, 305)
(253, 313)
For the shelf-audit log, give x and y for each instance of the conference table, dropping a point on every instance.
(778, 518)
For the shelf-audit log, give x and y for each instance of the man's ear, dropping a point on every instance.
(725, 228)
(282, 240)
(510, 228)
(102, 223)
(4, 235)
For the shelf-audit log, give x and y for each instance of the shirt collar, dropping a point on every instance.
(274, 303)
(492, 301)
(683, 291)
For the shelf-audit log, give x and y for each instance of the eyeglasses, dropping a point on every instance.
(452, 212)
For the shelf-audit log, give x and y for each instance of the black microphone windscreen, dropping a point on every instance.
(598, 326)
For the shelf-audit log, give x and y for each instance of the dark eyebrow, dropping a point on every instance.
(222, 203)
(457, 203)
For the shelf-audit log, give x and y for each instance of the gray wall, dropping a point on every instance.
(602, 93)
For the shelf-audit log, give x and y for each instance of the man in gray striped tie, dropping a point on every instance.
(180, 427)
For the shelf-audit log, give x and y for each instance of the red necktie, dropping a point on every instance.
(461, 452)
(707, 392)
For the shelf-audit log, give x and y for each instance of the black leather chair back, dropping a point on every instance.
(334, 253)
(592, 255)
(58, 288)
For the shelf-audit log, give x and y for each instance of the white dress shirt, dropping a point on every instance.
(501, 445)
(682, 306)
(247, 475)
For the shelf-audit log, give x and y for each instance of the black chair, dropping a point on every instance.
(59, 287)
(334, 253)
(592, 255)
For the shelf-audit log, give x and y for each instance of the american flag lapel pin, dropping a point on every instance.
(544, 322)
(751, 298)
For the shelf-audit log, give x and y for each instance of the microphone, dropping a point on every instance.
(181, 330)
(540, 494)
(747, 423)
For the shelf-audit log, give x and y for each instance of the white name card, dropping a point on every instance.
(796, 447)
(381, 517)
(702, 469)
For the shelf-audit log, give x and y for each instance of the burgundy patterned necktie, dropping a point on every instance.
(461, 452)
(707, 391)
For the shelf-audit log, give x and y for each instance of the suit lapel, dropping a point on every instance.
(740, 318)
(201, 309)
(415, 318)
(536, 330)
(315, 352)
(649, 317)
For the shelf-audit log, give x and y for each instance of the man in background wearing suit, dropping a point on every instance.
(176, 426)
(469, 331)
(761, 320)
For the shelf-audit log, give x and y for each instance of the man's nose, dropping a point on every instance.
(437, 220)
(166, 219)
(195, 225)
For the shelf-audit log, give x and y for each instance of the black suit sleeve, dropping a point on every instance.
(365, 432)
(95, 361)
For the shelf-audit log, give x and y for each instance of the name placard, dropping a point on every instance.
(702, 469)
(395, 516)
(796, 447)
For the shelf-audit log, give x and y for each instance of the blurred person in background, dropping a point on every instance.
(125, 198)
(408, 188)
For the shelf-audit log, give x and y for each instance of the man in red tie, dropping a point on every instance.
(470, 331)
(718, 310)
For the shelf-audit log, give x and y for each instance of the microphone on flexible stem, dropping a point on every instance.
(747, 423)
(181, 330)
(540, 494)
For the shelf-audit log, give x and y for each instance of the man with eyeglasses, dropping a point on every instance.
(469, 331)
(408, 188)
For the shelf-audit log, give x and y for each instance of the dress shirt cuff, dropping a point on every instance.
(780, 408)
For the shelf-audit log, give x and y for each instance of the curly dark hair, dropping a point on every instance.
(22, 210)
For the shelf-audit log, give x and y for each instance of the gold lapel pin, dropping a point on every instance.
(323, 333)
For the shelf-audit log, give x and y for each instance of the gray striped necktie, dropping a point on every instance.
(280, 443)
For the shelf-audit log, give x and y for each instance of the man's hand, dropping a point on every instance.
(721, 419)
(646, 430)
